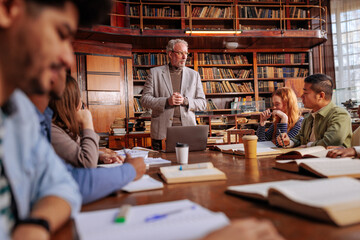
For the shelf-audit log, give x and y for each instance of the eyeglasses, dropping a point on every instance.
(180, 54)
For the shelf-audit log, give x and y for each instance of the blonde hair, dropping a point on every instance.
(289, 99)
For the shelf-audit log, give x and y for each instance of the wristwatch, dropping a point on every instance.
(36, 221)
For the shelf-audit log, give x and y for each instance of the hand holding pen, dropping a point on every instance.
(138, 164)
(283, 139)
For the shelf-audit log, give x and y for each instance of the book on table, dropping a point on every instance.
(335, 200)
(304, 152)
(263, 148)
(322, 167)
(196, 172)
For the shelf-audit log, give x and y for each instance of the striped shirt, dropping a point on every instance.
(267, 135)
(7, 219)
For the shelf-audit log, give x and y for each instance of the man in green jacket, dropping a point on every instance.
(326, 124)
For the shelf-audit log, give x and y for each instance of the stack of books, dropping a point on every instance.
(118, 127)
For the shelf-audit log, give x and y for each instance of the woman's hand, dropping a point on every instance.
(281, 115)
(108, 156)
(84, 118)
(264, 116)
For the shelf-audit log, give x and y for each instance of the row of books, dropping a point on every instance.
(269, 86)
(227, 87)
(160, 12)
(209, 58)
(297, 13)
(140, 74)
(284, 58)
(134, 11)
(210, 105)
(137, 105)
(210, 12)
(284, 72)
(220, 73)
(256, 12)
(150, 59)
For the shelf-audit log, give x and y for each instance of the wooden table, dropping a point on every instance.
(211, 195)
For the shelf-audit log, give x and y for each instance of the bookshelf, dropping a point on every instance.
(233, 75)
(219, 15)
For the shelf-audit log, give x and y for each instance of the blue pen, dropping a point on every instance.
(160, 216)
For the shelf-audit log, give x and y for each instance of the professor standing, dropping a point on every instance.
(173, 92)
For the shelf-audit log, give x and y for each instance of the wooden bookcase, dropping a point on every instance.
(229, 74)
(234, 15)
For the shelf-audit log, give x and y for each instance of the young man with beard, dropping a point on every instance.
(37, 193)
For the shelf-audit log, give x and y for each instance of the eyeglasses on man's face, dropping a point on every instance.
(180, 54)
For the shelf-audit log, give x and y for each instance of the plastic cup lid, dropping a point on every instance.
(181, 144)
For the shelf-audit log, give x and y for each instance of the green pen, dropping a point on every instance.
(122, 214)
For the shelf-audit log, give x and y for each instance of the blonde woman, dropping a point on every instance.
(286, 115)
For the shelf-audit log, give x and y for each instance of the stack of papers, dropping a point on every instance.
(133, 153)
(176, 220)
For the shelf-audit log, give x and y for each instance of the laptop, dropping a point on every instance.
(194, 136)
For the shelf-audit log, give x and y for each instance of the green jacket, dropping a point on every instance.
(333, 128)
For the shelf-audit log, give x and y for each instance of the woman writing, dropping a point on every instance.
(286, 116)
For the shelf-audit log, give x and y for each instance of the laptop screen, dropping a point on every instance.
(195, 136)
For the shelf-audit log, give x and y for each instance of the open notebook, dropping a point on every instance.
(335, 200)
(184, 220)
(263, 148)
(322, 167)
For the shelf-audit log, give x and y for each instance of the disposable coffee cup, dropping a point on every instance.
(250, 144)
(182, 153)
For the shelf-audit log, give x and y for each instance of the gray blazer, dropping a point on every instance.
(158, 88)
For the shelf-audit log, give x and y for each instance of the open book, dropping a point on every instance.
(322, 167)
(304, 152)
(263, 148)
(335, 200)
(191, 173)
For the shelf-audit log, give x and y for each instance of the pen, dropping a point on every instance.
(192, 167)
(282, 140)
(160, 216)
(122, 214)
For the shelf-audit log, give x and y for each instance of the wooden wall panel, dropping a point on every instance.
(102, 64)
(104, 98)
(104, 115)
(296, 84)
(103, 82)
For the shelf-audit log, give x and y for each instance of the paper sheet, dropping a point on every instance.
(143, 184)
(188, 223)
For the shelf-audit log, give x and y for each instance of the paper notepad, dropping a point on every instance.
(143, 184)
(200, 172)
(190, 221)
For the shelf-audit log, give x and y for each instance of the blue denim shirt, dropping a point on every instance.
(32, 167)
(94, 183)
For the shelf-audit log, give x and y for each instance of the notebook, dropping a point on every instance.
(195, 136)
(184, 220)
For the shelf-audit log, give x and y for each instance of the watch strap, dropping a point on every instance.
(36, 221)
